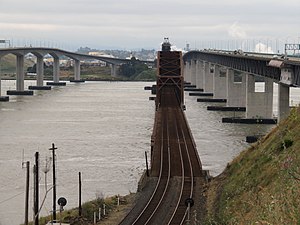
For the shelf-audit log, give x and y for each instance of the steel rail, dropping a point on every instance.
(192, 176)
(168, 179)
(182, 178)
(159, 179)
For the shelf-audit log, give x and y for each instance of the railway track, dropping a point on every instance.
(179, 164)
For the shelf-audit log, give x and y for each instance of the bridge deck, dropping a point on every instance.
(175, 164)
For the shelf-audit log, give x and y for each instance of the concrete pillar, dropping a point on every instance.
(0, 76)
(219, 85)
(199, 74)
(56, 70)
(40, 71)
(187, 75)
(114, 70)
(184, 70)
(283, 101)
(20, 73)
(236, 91)
(208, 78)
(259, 104)
(193, 72)
(76, 69)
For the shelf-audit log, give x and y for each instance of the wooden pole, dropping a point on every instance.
(27, 192)
(147, 169)
(36, 202)
(80, 209)
(54, 182)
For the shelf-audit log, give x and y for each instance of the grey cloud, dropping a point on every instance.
(144, 22)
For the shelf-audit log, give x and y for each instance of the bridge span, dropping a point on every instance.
(176, 177)
(40, 53)
(231, 76)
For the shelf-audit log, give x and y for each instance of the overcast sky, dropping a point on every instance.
(132, 24)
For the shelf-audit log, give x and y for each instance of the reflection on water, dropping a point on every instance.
(101, 129)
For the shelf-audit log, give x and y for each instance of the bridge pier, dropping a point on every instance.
(236, 90)
(20, 73)
(219, 84)
(283, 101)
(39, 75)
(114, 70)
(193, 72)
(2, 98)
(208, 78)
(259, 104)
(56, 70)
(20, 78)
(199, 74)
(77, 71)
(187, 74)
(40, 71)
(56, 73)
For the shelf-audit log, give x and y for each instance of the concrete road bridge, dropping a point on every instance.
(40, 53)
(231, 76)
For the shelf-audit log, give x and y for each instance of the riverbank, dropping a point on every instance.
(262, 184)
(116, 207)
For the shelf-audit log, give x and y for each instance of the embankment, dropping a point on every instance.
(262, 184)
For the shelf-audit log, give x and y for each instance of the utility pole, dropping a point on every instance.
(54, 182)
(27, 192)
(36, 188)
(80, 209)
(147, 169)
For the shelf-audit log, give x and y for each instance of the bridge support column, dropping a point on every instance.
(2, 98)
(20, 79)
(114, 70)
(208, 78)
(219, 85)
(236, 91)
(259, 104)
(193, 71)
(283, 101)
(56, 70)
(20, 73)
(40, 71)
(39, 75)
(199, 74)
(76, 70)
(56, 73)
(187, 72)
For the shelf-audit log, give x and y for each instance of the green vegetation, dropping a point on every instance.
(8, 64)
(261, 185)
(113, 215)
(136, 70)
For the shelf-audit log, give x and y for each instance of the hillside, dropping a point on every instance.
(8, 64)
(262, 184)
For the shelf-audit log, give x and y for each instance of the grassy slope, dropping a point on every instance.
(261, 185)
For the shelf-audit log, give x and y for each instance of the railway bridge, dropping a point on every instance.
(176, 177)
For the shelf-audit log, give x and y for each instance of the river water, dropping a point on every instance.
(102, 130)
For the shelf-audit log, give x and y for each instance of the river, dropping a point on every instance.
(102, 130)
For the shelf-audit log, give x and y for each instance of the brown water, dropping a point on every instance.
(101, 129)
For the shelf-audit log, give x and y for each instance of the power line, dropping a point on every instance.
(11, 197)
